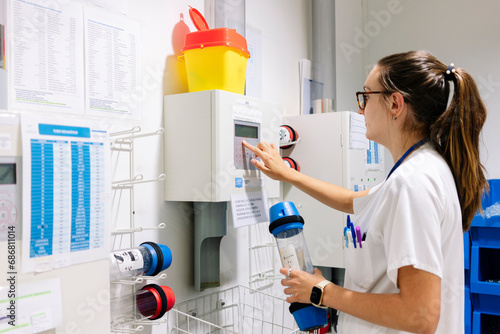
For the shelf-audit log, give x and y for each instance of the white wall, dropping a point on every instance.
(350, 67)
(460, 32)
(285, 32)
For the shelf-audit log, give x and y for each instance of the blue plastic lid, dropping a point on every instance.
(282, 209)
(161, 256)
(308, 317)
(284, 216)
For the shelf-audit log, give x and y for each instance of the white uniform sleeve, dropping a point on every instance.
(412, 234)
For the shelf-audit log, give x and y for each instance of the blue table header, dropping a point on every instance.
(63, 130)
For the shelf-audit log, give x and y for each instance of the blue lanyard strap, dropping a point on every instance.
(407, 153)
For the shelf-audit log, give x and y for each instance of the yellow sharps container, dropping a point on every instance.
(214, 58)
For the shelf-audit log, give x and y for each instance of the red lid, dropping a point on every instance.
(165, 300)
(169, 293)
(215, 37)
(198, 20)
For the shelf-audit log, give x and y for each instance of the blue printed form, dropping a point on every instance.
(65, 214)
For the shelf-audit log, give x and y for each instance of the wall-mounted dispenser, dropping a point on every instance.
(206, 162)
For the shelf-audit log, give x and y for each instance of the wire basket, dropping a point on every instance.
(236, 310)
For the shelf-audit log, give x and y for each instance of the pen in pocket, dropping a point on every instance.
(358, 234)
(352, 234)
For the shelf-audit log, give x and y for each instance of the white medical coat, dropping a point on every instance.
(412, 218)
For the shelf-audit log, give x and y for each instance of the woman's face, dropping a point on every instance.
(376, 112)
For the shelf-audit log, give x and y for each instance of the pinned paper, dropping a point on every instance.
(249, 208)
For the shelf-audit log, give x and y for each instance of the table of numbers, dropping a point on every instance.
(67, 182)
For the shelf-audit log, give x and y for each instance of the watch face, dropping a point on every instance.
(316, 295)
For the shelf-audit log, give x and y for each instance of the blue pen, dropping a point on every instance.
(345, 236)
(353, 230)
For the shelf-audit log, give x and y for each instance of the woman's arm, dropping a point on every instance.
(329, 194)
(416, 308)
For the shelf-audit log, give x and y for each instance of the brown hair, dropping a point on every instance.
(454, 130)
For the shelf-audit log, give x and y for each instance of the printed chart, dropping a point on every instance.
(66, 211)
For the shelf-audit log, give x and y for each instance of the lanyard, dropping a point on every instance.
(407, 153)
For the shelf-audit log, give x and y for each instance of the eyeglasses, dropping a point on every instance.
(362, 98)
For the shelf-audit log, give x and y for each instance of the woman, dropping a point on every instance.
(408, 276)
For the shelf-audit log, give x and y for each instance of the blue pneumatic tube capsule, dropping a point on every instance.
(287, 227)
(149, 259)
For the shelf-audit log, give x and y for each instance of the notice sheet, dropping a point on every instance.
(46, 63)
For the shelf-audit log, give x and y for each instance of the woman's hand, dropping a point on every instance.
(299, 284)
(272, 164)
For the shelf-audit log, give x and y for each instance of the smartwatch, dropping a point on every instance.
(317, 293)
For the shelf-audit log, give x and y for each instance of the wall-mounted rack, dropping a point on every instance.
(262, 257)
(124, 141)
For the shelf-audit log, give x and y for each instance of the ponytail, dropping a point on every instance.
(424, 82)
(456, 136)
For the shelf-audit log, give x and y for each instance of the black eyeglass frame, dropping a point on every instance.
(365, 97)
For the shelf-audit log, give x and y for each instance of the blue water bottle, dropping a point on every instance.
(287, 227)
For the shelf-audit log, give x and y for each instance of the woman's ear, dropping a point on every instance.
(397, 104)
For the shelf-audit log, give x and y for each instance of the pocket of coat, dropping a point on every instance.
(358, 265)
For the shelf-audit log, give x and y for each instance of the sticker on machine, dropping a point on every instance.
(252, 182)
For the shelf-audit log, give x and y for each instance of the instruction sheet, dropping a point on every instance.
(248, 208)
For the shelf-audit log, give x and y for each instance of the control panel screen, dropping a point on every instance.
(246, 131)
(7, 173)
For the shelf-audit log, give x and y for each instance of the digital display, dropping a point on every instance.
(246, 131)
(7, 173)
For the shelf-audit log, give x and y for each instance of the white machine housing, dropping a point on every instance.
(205, 160)
(324, 152)
(10, 174)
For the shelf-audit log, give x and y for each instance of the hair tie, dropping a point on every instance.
(449, 74)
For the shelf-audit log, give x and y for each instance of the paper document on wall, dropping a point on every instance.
(249, 208)
(46, 57)
(357, 133)
(37, 307)
(117, 6)
(112, 58)
(66, 204)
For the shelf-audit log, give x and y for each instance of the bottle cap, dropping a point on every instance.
(161, 257)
